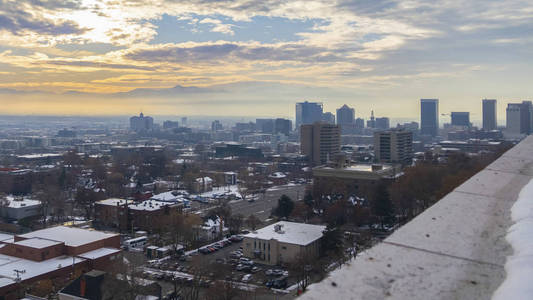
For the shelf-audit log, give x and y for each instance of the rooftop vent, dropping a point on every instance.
(377, 167)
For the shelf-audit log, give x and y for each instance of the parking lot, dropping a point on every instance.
(245, 276)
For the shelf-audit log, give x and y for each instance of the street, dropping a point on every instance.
(261, 206)
(264, 203)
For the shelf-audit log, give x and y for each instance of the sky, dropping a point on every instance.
(260, 57)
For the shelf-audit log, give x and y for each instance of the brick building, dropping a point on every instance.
(56, 252)
(127, 214)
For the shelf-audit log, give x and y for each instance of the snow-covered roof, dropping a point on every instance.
(5, 236)
(13, 202)
(37, 243)
(291, 233)
(114, 201)
(148, 205)
(71, 236)
(166, 197)
(99, 253)
(31, 268)
(204, 179)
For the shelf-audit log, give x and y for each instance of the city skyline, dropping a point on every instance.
(190, 58)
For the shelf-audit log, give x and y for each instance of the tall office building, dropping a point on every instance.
(308, 113)
(328, 118)
(141, 123)
(460, 118)
(216, 126)
(489, 115)
(283, 126)
(429, 117)
(265, 125)
(394, 146)
(345, 115)
(520, 117)
(359, 123)
(320, 142)
(382, 123)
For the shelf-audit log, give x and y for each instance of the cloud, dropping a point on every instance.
(19, 22)
(232, 51)
(97, 65)
(218, 26)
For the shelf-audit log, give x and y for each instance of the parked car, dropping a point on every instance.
(247, 278)
(243, 259)
(243, 267)
(236, 238)
(280, 283)
(255, 269)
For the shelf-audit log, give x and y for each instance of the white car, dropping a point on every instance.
(247, 278)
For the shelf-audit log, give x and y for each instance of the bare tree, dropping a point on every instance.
(253, 222)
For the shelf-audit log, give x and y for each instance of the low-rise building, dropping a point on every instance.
(352, 179)
(17, 208)
(51, 253)
(127, 214)
(283, 242)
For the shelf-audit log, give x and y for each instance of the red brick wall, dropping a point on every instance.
(33, 253)
(111, 242)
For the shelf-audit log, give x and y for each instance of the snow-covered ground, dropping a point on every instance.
(519, 266)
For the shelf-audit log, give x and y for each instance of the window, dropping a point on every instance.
(284, 248)
(255, 244)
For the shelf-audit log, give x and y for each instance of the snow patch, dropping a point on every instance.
(519, 266)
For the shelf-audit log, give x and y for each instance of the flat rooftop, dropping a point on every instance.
(73, 237)
(114, 201)
(291, 233)
(366, 168)
(37, 243)
(21, 202)
(32, 268)
(5, 236)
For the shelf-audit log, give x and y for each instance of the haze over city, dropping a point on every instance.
(258, 57)
(266, 149)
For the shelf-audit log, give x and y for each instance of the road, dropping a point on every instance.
(267, 201)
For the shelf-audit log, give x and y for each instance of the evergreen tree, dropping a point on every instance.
(332, 241)
(285, 207)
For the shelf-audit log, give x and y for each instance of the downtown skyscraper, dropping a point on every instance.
(429, 117)
(489, 115)
(308, 113)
